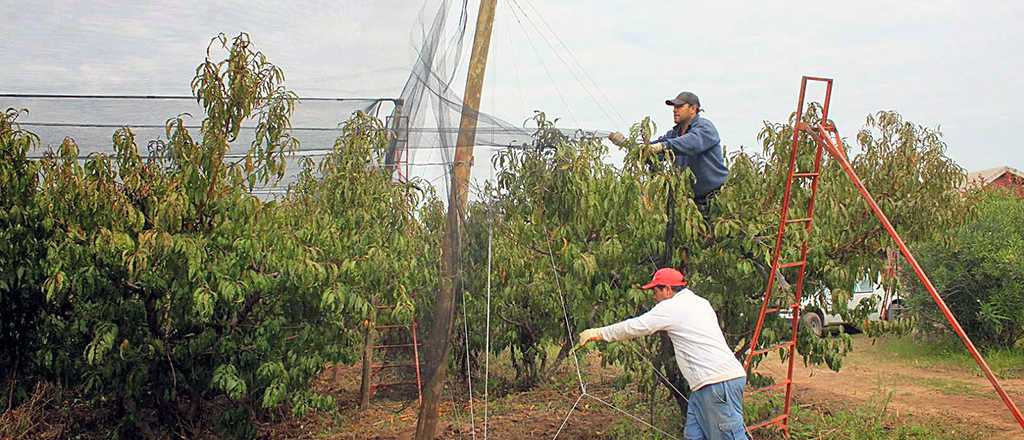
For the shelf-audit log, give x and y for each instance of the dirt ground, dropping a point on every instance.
(918, 394)
(538, 413)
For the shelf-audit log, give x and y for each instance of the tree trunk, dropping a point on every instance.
(369, 337)
(667, 363)
(438, 346)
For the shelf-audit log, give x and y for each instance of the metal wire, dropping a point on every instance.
(469, 372)
(641, 421)
(565, 314)
(567, 415)
(487, 331)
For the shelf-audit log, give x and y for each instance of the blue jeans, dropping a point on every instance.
(715, 412)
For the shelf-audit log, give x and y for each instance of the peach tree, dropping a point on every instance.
(158, 286)
(568, 226)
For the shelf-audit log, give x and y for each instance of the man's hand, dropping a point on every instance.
(590, 334)
(617, 138)
(653, 149)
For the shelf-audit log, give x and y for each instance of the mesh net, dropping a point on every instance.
(424, 113)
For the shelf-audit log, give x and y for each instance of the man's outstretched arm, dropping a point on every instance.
(698, 140)
(643, 325)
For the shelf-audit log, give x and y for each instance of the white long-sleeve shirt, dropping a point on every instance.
(692, 325)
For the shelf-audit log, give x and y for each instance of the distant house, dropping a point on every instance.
(999, 177)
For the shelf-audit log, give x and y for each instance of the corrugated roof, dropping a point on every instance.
(985, 177)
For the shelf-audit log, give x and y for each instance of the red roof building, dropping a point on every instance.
(999, 177)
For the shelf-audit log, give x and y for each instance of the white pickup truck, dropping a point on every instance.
(815, 316)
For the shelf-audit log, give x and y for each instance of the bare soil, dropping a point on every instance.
(945, 395)
(917, 394)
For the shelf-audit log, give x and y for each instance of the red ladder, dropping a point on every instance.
(807, 222)
(827, 139)
(372, 375)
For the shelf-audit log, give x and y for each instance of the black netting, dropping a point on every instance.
(424, 114)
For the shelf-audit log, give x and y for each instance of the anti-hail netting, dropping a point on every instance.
(104, 75)
(85, 75)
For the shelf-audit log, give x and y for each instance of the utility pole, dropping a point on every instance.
(437, 347)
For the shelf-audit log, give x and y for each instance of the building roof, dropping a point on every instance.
(985, 177)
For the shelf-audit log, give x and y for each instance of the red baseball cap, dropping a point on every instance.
(666, 277)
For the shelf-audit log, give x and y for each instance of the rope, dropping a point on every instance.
(641, 421)
(469, 372)
(167, 97)
(567, 415)
(658, 372)
(565, 314)
(569, 66)
(536, 53)
(578, 64)
(487, 331)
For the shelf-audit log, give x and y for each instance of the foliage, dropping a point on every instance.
(23, 237)
(948, 352)
(978, 270)
(567, 224)
(867, 421)
(161, 284)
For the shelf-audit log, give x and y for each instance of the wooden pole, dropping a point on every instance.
(438, 343)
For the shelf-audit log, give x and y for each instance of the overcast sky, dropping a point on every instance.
(948, 64)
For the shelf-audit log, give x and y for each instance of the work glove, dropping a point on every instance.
(590, 334)
(653, 149)
(617, 138)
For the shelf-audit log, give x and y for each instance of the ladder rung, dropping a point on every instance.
(392, 346)
(392, 384)
(774, 421)
(383, 366)
(392, 326)
(771, 387)
(798, 175)
(798, 220)
(793, 264)
(772, 348)
(770, 310)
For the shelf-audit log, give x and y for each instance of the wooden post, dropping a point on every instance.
(438, 344)
(365, 389)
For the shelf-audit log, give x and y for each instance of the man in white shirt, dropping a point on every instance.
(716, 378)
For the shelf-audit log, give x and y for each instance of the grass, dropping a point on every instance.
(949, 387)
(871, 420)
(951, 354)
(868, 421)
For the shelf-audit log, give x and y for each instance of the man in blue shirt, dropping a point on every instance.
(696, 145)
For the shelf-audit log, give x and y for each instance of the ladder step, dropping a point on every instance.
(793, 264)
(805, 175)
(384, 366)
(777, 420)
(787, 345)
(393, 345)
(392, 384)
(798, 220)
(392, 326)
(771, 310)
(772, 387)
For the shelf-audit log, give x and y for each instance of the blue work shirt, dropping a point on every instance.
(701, 150)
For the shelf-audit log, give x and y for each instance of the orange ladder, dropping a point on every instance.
(372, 372)
(807, 222)
(827, 140)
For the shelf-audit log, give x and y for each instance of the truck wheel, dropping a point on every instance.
(895, 311)
(813, 323)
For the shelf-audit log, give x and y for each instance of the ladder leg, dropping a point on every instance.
(782, 421)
